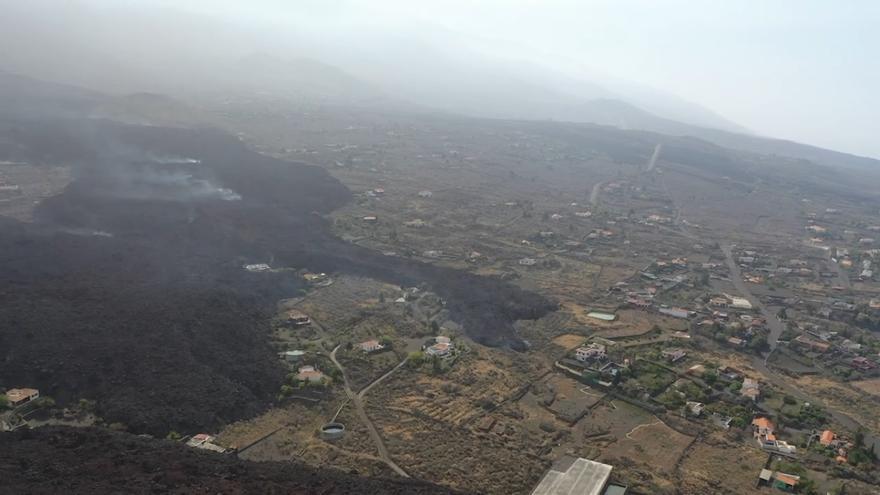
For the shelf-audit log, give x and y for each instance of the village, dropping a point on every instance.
(746, 358)
(691, 350)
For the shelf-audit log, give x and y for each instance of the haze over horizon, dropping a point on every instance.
(802, 71)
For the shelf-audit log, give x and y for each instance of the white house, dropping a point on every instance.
(594, 351)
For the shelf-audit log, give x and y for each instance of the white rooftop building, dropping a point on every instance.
(576, 477)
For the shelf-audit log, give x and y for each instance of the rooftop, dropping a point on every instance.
(574, 477)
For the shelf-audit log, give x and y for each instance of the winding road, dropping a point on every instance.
(357, 400)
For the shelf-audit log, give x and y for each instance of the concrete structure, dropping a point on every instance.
(257, 267)
(673, 355)
(293, 356)
(751, 389)
(371, 346)
(570, 476)
(205, 442)
(298, 318)
(675, 312)
(332, 431)
(440, 349)
(19, 396)
(310, 374)
(602, 316)
(740, 303)
(590, 352)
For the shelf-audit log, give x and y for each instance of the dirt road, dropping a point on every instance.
(356, 399)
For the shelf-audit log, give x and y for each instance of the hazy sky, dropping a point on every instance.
(807, 70)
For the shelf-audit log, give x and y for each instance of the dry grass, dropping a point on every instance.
(652, 444)
(569, 341)
(871, 386)
(716, 465)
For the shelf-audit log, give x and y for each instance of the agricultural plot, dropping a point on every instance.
(447, 455)
(718, 465)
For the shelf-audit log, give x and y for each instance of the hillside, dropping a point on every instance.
(91, 460)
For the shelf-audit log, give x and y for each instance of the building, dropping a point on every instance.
(750, 389)
(673, 355)
(257, 267)
(695, 408)
(570, 476)
(812, 344)
(863, 364)
(596, 315)
(764, 432)
(294, 356)
(778, 480)
(298, 318)
(720, 302)
(440, 349)
(762, 428)
(315, 278)
(205, 442)
(19, 396)
(309, 374)
(590, 352)
(826, 438)
(675, 312)
(740, 303)
(371, 346)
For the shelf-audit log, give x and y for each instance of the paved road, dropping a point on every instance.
(356, 399)
(774, 324)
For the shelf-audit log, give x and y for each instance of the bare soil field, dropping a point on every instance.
(569, 340)
(719, 465)
(652, 444)
(871, 386)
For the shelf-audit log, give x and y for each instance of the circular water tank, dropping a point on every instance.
(332, 431)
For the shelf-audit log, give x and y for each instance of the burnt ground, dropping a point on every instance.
(128, 289)
(92, 460)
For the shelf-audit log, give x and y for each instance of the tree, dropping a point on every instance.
(435, 327)
(416, 358)
(436, 366)
(382, 297)
(4, 402)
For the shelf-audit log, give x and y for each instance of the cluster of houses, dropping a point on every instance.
(832, 348)
(833, 443)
